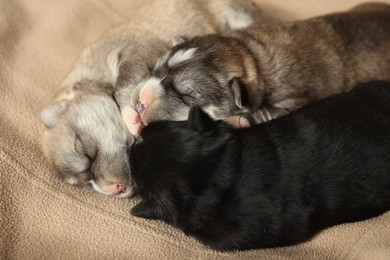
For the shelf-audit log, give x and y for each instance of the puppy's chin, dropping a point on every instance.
(126, 193)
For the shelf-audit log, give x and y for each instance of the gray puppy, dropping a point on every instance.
(85, 137)
(257, 74)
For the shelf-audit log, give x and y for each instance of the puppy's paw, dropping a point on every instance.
(268, 113)
(238, 121)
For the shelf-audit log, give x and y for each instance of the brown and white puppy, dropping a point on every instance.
(264, 72)
(85, 136)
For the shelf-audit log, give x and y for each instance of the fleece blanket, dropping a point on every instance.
(43, 218)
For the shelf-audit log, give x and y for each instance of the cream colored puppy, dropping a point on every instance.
(85, 139)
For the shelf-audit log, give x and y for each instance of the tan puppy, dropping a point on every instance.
(265, 72)
(85, 138)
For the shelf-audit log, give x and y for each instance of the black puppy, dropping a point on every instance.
(274, 184)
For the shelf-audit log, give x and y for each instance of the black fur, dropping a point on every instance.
(274, 184)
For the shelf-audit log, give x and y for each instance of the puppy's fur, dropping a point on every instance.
(267, 71)
(84, 137)
(274, 184)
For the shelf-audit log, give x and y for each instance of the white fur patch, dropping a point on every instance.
(181, 55)
(98, 189)
(113, 63)
(128, 193)
(238, 20)
(72, 180)
(212, 111)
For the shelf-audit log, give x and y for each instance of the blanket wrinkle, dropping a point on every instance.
(42, 217)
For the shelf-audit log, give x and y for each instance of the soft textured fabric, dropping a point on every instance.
(43, 218)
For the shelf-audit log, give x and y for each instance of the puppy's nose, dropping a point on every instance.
(117, 188)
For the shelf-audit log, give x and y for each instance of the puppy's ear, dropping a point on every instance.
(241, 97)
(50, 114)
(178, 39)
(200, 120)
(144, 209)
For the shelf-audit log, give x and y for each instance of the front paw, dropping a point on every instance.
(238, 121)
(266, 114)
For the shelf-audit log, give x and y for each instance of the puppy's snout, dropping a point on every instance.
(119, 188)
(115, 188)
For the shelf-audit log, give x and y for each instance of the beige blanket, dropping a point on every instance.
(44, 218)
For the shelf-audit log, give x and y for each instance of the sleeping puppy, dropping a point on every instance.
(264, 72)
(274, 184)
(85, 137)
(86, 140)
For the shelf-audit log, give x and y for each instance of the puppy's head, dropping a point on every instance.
(85, 139)
(214, 72)
(179, 164)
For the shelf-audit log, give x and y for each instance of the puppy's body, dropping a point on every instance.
(274, 184)
(85, 136)
(267, 71)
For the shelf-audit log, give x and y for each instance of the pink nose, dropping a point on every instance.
(117, 188)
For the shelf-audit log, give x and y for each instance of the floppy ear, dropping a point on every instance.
(50, 115)
(241, 97)
(144, 209)
(200, 120)
(178, 39)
